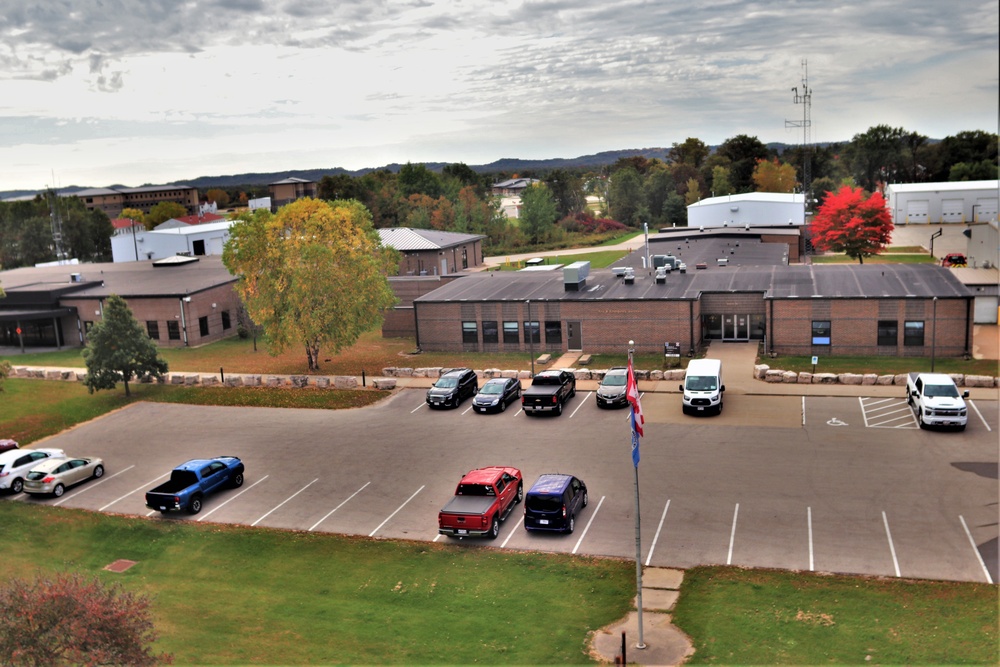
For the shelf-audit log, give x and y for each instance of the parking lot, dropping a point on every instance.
(834, 484)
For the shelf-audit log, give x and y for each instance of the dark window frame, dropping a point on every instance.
(491, 332)
(887, 333)
(822, 332)
(153, 329)
(470, 332)
(553, 332)
(511, 333)
(912, 339)
(173, 330)
(532, 332)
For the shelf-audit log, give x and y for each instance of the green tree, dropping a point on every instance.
(314, 274)
(567, 190)
(417, 179)
(338, 186)
(625, 196)
(692, 152)
(720, 182)
(71, 620)
(675, 210)
(744, 152)
(659, 184)
(984, 170)
(163, 211)
(876, 156)
(118, 350)
(538, 213)
(4, 365)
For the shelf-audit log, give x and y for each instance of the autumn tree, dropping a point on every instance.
(119, 350)
(692, 152)
(773, 176)
(744, 152)
(219, 196)
(693, 194)
(313, 274)
(851, 223)
(538, 212)
(72, 620)
(163, 211)
(720, 182)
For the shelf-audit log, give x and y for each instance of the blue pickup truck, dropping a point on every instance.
(190, 482)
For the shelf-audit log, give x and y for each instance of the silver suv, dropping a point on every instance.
(611, 391)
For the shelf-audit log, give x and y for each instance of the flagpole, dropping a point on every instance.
(638, 535)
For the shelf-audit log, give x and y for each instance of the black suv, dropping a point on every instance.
(553, 502)
(453, 387)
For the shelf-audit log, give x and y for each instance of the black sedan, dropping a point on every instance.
(495, 394)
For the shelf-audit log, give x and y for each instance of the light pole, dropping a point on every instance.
(531, 339)
(933, 333)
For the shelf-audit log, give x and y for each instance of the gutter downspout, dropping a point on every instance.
(184, 330)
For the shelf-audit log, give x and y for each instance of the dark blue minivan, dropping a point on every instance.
(553, 502)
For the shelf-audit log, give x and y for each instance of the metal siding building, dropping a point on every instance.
(942, 203)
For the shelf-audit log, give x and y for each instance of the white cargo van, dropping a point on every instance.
(703, 388)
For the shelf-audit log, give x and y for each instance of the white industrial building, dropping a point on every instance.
(753, 209)
(941, 203)
(195, 240)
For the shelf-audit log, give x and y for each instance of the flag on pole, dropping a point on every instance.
(632, 394)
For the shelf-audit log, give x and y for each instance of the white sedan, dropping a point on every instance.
(55, 475)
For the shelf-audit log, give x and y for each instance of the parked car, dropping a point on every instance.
(483, 499)
(496, 394)
(16, 463)
(553, 503)
(453, 387)
(954, 259)
(6, 444)
(191, 481)
(54, 476)
(611, 390)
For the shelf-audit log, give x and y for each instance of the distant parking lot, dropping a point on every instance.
(815, 483)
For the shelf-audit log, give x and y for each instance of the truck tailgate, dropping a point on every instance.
(468, 505)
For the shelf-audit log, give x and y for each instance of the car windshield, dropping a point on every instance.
(34, 475)
(446, 383)
(616, 380)
(943, 390)
(701, 383)
(544, 503)
(492, 388)
(475, 490)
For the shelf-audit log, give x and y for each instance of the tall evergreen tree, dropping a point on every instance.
(118, 350)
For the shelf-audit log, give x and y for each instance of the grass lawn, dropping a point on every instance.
(237, 595)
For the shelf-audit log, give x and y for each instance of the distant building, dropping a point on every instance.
(753, 209)
(188, 220)
(429, 252)
(113, 200)
(192, 240)
(942, 203)
(513, 186)
(288, 190)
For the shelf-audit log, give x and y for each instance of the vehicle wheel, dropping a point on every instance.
(99, 471)
(59, 490)
(195, 505)
(572, 525)
(520, 493)
(920, 419)
(237, 480)
(559, 409)
(586, 499)
(572, 392)
(720, 407)
(17, 486)
(494, 529)
(503, 405)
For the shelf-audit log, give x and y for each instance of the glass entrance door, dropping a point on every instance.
(735, 327)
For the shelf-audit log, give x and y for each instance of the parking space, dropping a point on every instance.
(775, 481)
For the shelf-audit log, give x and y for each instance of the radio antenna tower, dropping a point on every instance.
(805, 99)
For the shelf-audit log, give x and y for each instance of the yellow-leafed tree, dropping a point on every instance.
(313, 274)
(773, 176)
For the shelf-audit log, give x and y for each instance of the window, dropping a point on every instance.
(153, 329)
(226, 324)
(821, 332)
(888, 332)
(553, 333)
(510, 336)
(470, 333)
(913, 332)
(173, 330)
(203, 325)
(490, 333)
(531, 332)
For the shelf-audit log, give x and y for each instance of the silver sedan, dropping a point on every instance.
(53, 476)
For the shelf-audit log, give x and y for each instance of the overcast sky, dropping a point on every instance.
(133, 92)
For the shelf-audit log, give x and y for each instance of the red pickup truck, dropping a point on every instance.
(483, 499)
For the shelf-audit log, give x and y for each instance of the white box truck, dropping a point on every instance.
(703, 388)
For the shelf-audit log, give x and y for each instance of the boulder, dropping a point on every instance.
(899, 379)
(191, 380)
(805, 378)
(384, 383)
(790, 377)
(234, 381)
(980, 381)
(825, 378)
(849, 378)
(299, 381)
(274, 381)
(656, 374)
(345, 382)
(208, 380)
(760, 370)
(869, 378)
(251, 380)
(774, 376)
(581, 374)
(885, 380)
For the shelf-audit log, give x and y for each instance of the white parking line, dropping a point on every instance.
(338, 506)
(803, 410)
(584, 533)
(975, 549)
(284, 501)
(90, 486)
(892, 549)
(422, 405)
(981, 417)
(513, 531)
(582, 403)
(229, 500)
(167, 474)
(656, 537)
(887, 413)
(732, 535)
(372, 534)
(809, 522)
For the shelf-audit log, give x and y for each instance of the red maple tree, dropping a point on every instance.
(852, 223)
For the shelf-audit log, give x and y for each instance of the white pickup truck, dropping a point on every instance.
(936, 400)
